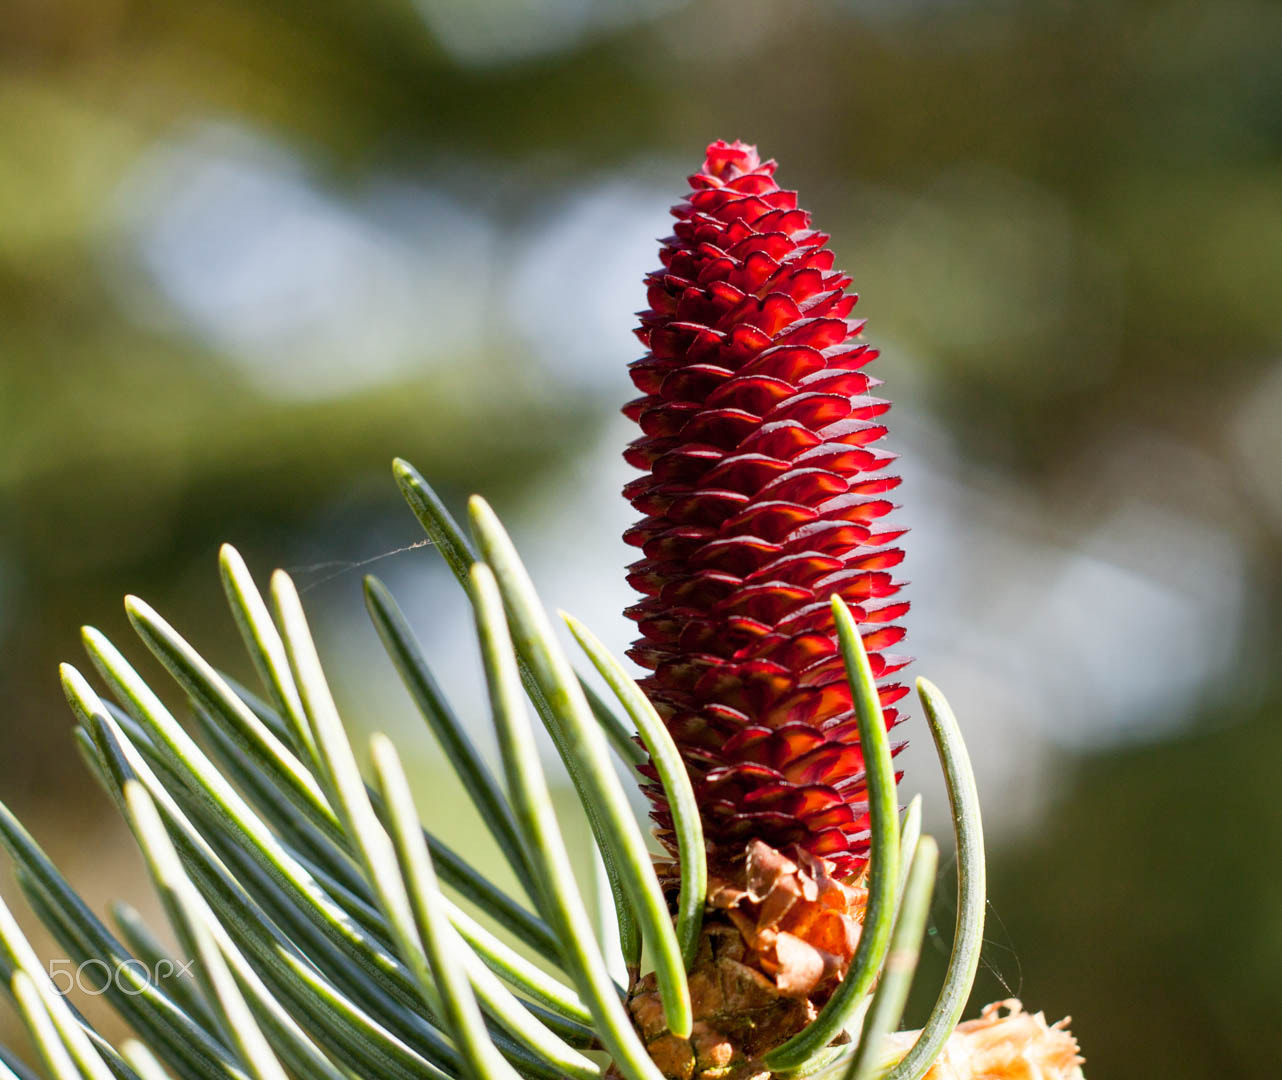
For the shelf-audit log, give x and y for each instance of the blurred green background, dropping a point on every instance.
(250, 250)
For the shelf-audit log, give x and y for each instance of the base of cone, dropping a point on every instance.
(739, 1013)
(800, 923)
(778, 935)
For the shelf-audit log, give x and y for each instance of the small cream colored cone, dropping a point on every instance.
(1005, 1043)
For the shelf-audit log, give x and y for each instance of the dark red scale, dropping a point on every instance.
(763, 496)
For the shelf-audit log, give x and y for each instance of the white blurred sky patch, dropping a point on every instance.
(1108, 633)
(575, 282)
(311, 295)
(1050, 634)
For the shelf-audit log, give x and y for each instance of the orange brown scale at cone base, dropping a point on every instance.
(739, 1014)
(764, 494)
(800, 924)
(779, 934)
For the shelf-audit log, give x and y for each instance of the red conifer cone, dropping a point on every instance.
(764, 494)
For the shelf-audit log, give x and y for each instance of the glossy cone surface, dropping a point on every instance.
(765, 492)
